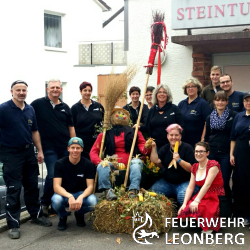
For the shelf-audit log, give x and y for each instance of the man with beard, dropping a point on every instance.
(235, 98)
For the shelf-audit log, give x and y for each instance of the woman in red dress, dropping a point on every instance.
(205, 204)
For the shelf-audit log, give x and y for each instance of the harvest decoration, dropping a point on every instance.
(116, 87)
(173, 162)
(150, 168)
(117, 216)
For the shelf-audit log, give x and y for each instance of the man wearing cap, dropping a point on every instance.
(73, 184)
(18, 132)
(235, 98)
(55, 125)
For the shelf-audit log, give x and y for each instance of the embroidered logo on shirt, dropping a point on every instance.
(96, 109)
(235, 104)
(165, 117)
(80, 175)
(63, 110)
(172, 113)
(193, 112)
(30, 122)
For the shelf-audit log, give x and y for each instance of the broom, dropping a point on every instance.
(157, 29)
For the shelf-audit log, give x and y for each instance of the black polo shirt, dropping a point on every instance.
(194, 115)
(74, 176)
(241, 126)
(85, 120)
(135, 112)
(235, 101)
(16, 125)
(53, 123)
(179, 175)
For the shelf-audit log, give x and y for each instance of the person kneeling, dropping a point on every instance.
(118, 141)
(73, 183)
(207, 174)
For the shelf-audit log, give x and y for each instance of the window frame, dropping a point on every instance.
(62, 15)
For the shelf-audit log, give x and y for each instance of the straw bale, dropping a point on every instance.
(116, 216)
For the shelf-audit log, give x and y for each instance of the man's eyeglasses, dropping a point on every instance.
(225, 82)
(201, 152)
(148, 95)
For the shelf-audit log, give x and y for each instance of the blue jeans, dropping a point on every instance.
(226, 170)
(169, 189)
(50, 158)
(59, 203)
(134, 175)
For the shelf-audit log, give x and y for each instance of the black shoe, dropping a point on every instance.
(14, 233)
(42, 221)
(80, 222)
(133, 193)
(62, 225)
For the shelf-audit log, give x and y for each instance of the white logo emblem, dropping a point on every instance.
(63, 110)
(80, 175)
(142, 232)
(172, 113)
(165, 117)
(96, 109)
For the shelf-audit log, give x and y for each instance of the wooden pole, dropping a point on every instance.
(100, 154)
(136, 132)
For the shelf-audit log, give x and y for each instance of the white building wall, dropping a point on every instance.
(24, 57)
(178, 65)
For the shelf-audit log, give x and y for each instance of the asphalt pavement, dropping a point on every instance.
(87, 238)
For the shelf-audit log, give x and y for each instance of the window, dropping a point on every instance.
(52, 30)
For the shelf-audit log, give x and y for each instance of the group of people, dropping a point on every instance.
(212, 127)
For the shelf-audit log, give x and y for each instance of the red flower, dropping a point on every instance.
(127, 217)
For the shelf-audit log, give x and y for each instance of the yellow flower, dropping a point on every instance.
(157, 169)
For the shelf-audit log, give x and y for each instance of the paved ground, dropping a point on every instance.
(40, 238)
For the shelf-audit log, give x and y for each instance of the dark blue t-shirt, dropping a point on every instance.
(194, 115)
(241, 125)
(235, 101)
(16, 125)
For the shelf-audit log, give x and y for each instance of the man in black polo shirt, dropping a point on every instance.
(18, 132)
(55, 124)
(73, 184)
(235, 98)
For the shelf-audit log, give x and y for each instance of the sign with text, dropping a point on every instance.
(192, 14)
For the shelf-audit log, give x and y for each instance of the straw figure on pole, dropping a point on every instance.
(158, 34)
(116, 86)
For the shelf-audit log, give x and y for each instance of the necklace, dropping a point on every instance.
(204, 166)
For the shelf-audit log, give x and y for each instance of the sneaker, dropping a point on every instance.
(133, 193)
(45, 210)
(42, 221)
(62, 224)
(14, 233)
(110, 195)
(80, 222)
(246, 222)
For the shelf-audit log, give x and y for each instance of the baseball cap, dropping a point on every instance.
(246, 95)
(75, 140)
(18, 82)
